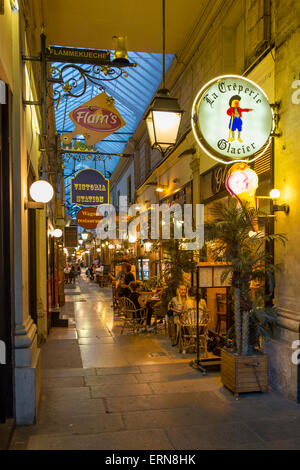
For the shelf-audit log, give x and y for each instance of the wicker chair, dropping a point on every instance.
(188, 331)
(160, 323)
(115, 299)
(134, 318)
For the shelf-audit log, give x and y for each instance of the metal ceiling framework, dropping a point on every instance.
(131, 91)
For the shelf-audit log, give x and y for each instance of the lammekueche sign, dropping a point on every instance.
(89, 188)
(232, 119)
(79, 56)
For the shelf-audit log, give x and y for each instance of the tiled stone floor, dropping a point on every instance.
(101, 390)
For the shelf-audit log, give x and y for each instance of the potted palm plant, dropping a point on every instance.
(244, 367)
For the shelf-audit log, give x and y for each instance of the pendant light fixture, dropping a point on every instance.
(164, 114)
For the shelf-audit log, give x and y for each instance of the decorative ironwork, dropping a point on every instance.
(76, 86)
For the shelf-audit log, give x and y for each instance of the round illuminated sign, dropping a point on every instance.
(232, 119)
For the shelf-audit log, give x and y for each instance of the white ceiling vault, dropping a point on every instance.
(91, 24)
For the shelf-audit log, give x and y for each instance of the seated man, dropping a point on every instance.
(135, 296)
(127, 278)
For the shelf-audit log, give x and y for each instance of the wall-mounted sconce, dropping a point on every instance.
(41, 192)
(161, 188)
(281, 208)
(274, 195)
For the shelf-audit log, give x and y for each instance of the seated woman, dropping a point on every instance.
(178, 305)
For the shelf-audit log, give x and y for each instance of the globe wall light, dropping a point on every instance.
(57, 233)
(164, 114)
(275, 194)
(110, 247)
(41, 192)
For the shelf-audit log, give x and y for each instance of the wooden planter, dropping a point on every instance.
(242, 374)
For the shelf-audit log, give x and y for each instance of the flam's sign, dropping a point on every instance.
(95, 120)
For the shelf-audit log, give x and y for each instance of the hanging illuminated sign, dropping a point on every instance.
(95, 120)
(232, 119)
(88, 218)
(242, 183)
(89, 188)
(78, 146)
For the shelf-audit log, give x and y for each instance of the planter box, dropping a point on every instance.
(242, 374)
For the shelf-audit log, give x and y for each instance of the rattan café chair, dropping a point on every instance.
(134, 318)
(188, 331)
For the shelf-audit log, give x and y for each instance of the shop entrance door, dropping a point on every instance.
(6, 382)
(32, 256)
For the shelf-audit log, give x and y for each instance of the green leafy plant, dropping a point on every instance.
(174, 263)
(233, 238)
(151, 283)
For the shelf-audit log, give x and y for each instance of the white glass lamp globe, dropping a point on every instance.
(80, 242)
(84, 235)
(41, 191)
(57, 233)
(274, 194)
(110, 247)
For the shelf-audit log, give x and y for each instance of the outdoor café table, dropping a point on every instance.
(151, 301)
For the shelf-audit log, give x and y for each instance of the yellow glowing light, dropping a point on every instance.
(29, 97)
(159, 189)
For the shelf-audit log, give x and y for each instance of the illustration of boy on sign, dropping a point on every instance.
(236, 122)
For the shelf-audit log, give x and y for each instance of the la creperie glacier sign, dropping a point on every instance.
(232, 119)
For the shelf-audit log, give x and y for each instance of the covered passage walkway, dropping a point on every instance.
(101, 390)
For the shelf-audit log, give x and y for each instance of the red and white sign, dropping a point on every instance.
(88, 218)
(95, 120)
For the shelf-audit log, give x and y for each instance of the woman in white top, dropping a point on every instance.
(178, 305)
